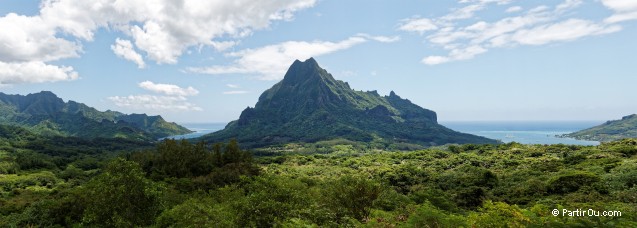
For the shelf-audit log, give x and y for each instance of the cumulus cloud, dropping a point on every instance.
(171, 26)
(124, 49)
(34, 72)
(463, 36)
(160, 29)
(174, 98)
(272, 61)
(163, 103)
(168, 89)
(32, 39)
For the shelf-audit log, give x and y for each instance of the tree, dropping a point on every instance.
(351, 196)
(121, 197)
(183, 159)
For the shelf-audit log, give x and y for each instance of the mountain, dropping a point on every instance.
(309, 105)
(47, 114)
(609, 131)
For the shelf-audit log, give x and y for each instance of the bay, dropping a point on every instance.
(199, 130)
(525, 132)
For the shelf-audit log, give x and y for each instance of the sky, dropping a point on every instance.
(196, 61)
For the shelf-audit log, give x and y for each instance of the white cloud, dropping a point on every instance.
(513, 9)
(435, 59)
(455, 54)
(163, 103)
(382, 39)
(168, 89)
(272, 61)
(464, 12)
(171, 27)
(124, 49)
(223, 45)
(32, 39)
(570, 29)
(621, 5)
(34, 72)
(418, 25)
(619, 17)
(624, 10)
(568, 4)
(160, 29)
(174, 99)
(462, 38)
(233, 86)
(234, 92)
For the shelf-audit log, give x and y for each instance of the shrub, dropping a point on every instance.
(571, 182)
(351, 196)
(428, 215)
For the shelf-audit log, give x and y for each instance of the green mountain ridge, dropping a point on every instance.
(309, 105)
(49, 115)
(610, 130)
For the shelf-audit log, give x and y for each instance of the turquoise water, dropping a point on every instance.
(522, 132)
(538, 132)
(199, 129)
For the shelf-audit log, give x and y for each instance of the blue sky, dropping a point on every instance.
(205, 61)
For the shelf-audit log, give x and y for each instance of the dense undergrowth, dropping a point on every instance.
(181, 184)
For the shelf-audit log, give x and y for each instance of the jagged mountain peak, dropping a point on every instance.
(309, 105)
(307, 86)
(300, 73)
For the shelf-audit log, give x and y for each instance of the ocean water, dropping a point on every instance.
(532, 132)
(523, 132)
(199, 129)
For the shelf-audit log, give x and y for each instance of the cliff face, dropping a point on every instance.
(309, 105)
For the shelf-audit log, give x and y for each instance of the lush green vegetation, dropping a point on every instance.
(609, 131)
(309, 105)
(181, 184)
(46, 114)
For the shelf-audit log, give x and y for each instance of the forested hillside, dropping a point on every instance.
(181, 184)
(610, 130)
(46, 114)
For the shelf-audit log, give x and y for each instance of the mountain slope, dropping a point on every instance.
(309, 105)
(609, 131)
(48, 114)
